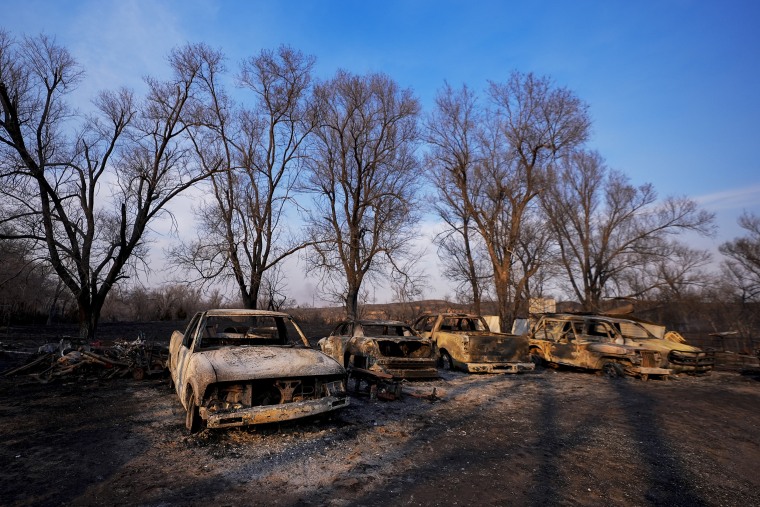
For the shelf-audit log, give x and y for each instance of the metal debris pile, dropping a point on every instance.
(52, 361)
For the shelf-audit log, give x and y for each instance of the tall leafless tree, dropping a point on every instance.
(364, 174)
(530, 125)
(95, 185)
(606, 227)
(259, 149)
(489, 166)
(452, 134)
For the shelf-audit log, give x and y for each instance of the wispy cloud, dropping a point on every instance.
(735, 198)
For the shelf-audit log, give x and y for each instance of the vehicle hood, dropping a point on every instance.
(662, 346)
(243, 363)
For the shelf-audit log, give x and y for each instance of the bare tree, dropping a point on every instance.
(530, 125)
(27, 289)
(465, 262)
(242, 235)
(452, 134)
(364, 175)
(489, 166)
(674, 273)
(535, 268)
(742, 266)
(607, 228)
(94, 188)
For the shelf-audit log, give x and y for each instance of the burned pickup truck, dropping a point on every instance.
(241, 367)
(616, 346)
(386, 346)
(464, 342)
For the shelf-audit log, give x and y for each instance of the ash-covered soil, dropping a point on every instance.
(554, 437)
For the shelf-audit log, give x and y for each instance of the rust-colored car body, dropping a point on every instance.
(242, 367)
(386, 346)
(612, 344)
(463, 341)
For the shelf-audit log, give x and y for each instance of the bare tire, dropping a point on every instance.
(536, 358)
(445, 361)
(171, 379)
(612, 370)
(193, 421)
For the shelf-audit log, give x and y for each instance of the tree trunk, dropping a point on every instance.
(473, 274)
(88, 319)
(352, 303)
(506, 314)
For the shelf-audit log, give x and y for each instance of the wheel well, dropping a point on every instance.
(189, 395)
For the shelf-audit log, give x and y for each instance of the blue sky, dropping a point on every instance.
(672, 85)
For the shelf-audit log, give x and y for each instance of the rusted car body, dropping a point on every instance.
(464, 342)
(385, 346)
(614, 345)
(242, 367)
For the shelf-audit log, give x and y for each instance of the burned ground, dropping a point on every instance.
(550, 437)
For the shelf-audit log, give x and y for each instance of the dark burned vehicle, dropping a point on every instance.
(614, 345)
(464, 342)
(385, 346)
(241, 367)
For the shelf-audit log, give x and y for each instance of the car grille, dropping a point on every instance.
(697, 359)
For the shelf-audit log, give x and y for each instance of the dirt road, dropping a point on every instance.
(549, 438)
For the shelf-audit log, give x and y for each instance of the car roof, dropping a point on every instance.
(600, 316)
(378, 322)
(242, 312)
(452, 314)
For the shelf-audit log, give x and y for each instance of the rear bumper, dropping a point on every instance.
(412, 373)
(498, 367)
(644, 370)
(272, 413)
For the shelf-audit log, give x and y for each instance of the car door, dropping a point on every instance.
(558, 340)
(565, 349)
(185, 352)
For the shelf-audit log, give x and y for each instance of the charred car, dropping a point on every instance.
(385, 346)
(616, 346)
(241, 367)
(464, 342)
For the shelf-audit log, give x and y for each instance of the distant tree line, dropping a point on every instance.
(334, 171)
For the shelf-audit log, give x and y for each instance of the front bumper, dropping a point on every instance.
(498, 367)
(408, 368)
(272, 413)
(691, 362)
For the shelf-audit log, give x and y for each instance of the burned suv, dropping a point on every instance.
(384, 346)
(616, 346)
(464, 342)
